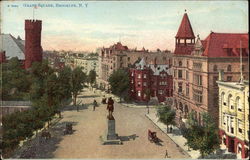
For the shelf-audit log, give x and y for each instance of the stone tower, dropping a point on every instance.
(184, 39)
(33, 49)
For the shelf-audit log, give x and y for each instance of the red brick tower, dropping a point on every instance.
(33, 49)
(184, 39)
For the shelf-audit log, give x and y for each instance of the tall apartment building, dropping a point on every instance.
(120, 56)
(150, 77)
(234, 117)
(196, 65)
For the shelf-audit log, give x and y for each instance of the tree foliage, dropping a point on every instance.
(92, 77)
(14, 80)
(202, 137)
(166, 115)
(77, 82)
(119, 82)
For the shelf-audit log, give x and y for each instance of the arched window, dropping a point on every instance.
(223, 99)
(238, 104)
(215, 68)
(181, 106)
(230, 104)
(180, 63)
(229, 68)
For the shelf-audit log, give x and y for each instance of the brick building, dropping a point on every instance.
(196, 66)
(33, 49)
(155, 77)
(120, 56)
(234, 117)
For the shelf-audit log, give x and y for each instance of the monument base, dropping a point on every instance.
(110, 137)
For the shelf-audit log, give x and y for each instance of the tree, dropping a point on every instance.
(166, 115)
(78, 78)
(92, 77)
(119, 82)
(148, 93)
(15, 82)
(202, 137)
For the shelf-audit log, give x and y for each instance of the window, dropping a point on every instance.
(229, 78)
(240, 130)
(229, 68)
(144, 76)
(197, 96)
(197, 79)
(180, 63)
(187, 89)
(128, 58)
(238, 104)
(139, 84)
(132, 74)
(243, 68)
(139, 76)
(144, 84)
(197, 66)
(187, 63)
(179, 73)
(187, 75)
(229, 101)
(132, 81)
(139, 93)
(160, 92)
(215, 68)
(180, 87)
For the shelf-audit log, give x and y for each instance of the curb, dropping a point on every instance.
(169, 137)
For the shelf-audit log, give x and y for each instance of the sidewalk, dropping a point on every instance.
(174, 136)
(117, 99)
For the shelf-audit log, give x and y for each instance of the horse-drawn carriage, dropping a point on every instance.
(68, 129)
(152, 137)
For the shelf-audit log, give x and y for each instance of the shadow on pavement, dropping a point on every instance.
(88, 96)
(128, 138)
(40, 147)
(80, 107)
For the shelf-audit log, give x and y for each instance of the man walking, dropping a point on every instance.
(94, 105)
(166, 154)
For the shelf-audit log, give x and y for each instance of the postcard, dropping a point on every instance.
(124, 79)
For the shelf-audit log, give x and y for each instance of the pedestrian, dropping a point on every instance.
(94, 105)
(166, 154)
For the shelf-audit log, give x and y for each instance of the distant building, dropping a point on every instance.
(11, 47)
(27, 51)
(153, 78)
(119, 56)
(196, 66)
(87, 63)
(234, 117)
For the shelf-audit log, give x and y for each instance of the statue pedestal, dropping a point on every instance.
(110, 136)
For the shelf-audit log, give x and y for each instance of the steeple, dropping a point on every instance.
(185, 29)
(184, 39)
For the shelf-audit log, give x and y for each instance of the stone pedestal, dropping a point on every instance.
(110, 136)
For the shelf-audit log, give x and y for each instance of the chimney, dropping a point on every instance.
(221, 75)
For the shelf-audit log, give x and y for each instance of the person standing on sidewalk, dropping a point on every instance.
(166, 154)
(94, 105)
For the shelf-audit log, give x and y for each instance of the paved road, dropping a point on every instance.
(89, 125)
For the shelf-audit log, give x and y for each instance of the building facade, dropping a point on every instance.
(87, 63)
(152, 79)
(119, 56)
(196, 64)
(33, 48)
(234, 117)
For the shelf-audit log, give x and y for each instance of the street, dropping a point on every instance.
(89, 125)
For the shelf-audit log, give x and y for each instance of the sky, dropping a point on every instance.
(87, 25)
